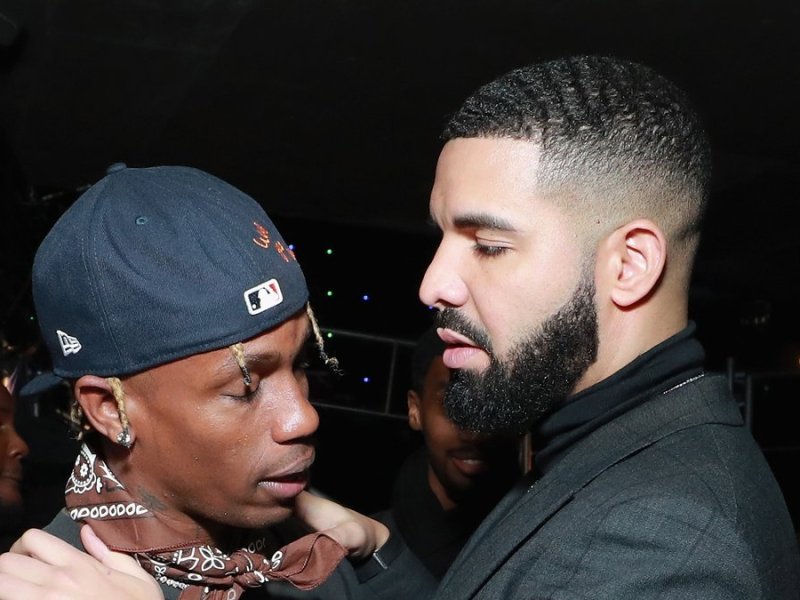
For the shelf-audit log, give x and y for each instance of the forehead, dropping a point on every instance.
(288, 338)
(281, 343)
(476, 175)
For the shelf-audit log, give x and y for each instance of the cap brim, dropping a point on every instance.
(40, 383)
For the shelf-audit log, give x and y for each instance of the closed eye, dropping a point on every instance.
(249, 394)
(489, 251)
(309, 354)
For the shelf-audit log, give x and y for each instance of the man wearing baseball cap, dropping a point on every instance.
(179, 317)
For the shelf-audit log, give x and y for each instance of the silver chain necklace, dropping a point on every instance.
(683, 383)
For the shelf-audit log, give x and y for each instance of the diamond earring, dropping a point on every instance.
(124, 438)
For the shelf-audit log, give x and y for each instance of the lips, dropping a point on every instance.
(469, 460)
(297, 469)
(450, 337)
(13, 476)
(470, 465)
(294, 477)
(460, 350)
(468, 451)
(290, 481)
(286, 487)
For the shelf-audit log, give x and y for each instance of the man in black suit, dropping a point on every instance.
(570, 197)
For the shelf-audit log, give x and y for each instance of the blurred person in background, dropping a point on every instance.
(445, 488)
(12, 450)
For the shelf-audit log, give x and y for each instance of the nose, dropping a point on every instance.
(297, 418)
(17, 448)
(441, 286)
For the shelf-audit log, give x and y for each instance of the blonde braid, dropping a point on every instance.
(238, 353)
(330, 361)
(80, 424)
(119, 396)
(77, 420)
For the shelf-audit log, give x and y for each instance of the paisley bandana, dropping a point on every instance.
(94, 495)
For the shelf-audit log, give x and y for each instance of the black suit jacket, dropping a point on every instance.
(673, 499)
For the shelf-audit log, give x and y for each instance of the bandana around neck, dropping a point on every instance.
(94, 495)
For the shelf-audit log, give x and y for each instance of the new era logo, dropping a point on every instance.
(69, 344)
(263, 296)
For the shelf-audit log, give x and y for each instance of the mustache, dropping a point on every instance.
(450, 318)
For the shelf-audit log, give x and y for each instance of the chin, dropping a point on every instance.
(10, 496)
(260, 518)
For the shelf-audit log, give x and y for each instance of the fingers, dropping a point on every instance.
(23, 577)
(311, 510)
(93, 544)
(356, 532)
(114, 560)
(45, 547)
(320, 513)
(42, 566)
(24, 567)
(16, 588)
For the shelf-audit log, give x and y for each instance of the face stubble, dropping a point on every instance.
(539, 372)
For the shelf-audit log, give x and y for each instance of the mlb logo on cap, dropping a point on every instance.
(263, 296)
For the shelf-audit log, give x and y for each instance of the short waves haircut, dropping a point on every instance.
(617, 141)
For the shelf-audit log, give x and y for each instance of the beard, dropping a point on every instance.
(540, 371)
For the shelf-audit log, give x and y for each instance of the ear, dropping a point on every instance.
(414, 419)
(636, 255)
(96, 398)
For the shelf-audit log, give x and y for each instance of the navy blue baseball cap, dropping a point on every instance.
(150, 265)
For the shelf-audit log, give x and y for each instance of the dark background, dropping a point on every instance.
(328, 113)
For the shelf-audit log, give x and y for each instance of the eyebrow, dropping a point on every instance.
(230, 364)
(482, 221)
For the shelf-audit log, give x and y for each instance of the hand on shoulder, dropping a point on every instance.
(359, 534)
(40, 565)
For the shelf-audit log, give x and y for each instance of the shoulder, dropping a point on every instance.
(64, 528)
